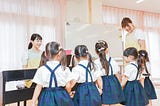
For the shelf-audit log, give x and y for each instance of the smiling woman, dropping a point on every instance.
(32, 57)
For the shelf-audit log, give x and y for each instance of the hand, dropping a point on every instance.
(34, 103)
(100, 91)
(72, 94)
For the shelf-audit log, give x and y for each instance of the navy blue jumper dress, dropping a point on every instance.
(87, 93)
(54, 96)
(149, 88)
(134, 92)
(112, 90)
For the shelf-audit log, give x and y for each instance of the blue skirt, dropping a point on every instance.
(54, 97)
(112, 90)
(87, 95)
(135, 94)
(149, 89)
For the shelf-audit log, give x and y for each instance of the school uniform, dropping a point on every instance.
(112, 90)
(148, 85)
(86, 93)
(53, 79)
(133, 90)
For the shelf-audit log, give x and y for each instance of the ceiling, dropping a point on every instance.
(146, 5)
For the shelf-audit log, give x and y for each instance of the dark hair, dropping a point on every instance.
(100, 48)
(52, 49)
(125, 22)
(143, 55)
(43, 59)
(82, 51)
(33, 37)
(132, 51)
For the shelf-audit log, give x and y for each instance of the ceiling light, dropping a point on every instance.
(139, 1)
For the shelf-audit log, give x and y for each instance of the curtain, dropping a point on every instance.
(149, 22)
(20, 18)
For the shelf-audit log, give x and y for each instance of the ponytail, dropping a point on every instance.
(63, 60)
(104, 61)
(30, 45)
(91, 63)
(73, 61)
(144, 56)
(140, 63)
(100, 48)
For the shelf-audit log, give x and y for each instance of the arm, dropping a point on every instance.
(142, 44)
(36, 94)
(70, 85)
(119, 76)
(141, 80)
(124, 81)
(99, 85)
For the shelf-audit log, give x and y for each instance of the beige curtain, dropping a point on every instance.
(20, 18)
(149, 22)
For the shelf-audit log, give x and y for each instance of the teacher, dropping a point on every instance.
(134, 37)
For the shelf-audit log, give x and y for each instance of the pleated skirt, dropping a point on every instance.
(149, 89)
(57, 96)
(135, 94)
(112, 90)
(87, 95)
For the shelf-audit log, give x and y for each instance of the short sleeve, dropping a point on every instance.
(25, 58)
(140, 34)
(75, 74)
(68, 74)
(128, 71)
(96, 74)
(38, 76)
(115, 66)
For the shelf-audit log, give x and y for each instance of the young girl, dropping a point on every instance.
(133, 90)
(147, 83)
(112, 91)
(86, 93)
(32, 57)
(52, 78)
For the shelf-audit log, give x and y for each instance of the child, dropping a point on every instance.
(133, 90)
(112, 91)
(147, 83)
(51, 79)
(86, 93)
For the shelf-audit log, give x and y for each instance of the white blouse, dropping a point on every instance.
(131, 71)
(42, 75)
(79, 73)
(113, 63)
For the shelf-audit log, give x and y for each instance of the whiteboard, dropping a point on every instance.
(89, 34)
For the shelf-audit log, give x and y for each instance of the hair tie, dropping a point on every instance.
(59, 48)
(101, 49)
